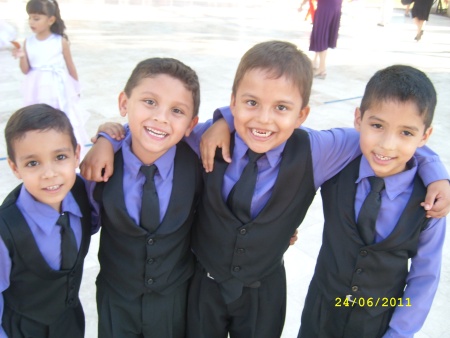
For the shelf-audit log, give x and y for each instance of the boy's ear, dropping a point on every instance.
(77, 155)
(302, 115)
(357, 121)
(123, 100)
(232, 104)
(13, 167)
(191, 126)
(426, 135)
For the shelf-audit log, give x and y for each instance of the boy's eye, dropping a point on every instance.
(32, 164)
(281, 107)
(407, 133)
(377, 125)
(251, 103)
(61, 157)
(177, 111)
(150, 102)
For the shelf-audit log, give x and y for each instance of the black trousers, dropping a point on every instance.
(149, 316)
(69, 324)
(321, 318)
(258, 313)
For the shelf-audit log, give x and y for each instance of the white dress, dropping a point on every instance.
(48, 81)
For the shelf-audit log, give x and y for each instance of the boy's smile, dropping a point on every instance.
(390, 134)
(266, 110)
(160, 112)
(46, 162)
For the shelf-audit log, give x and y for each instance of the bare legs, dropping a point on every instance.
(419, 24)
(319, 64)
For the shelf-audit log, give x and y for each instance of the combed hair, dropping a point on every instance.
(278, 58)
(155, 66)
(402, 84)
(40, 117)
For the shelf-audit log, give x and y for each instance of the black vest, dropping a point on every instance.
(134, 262)
(37, 291)
(249, 252)
(346, 266)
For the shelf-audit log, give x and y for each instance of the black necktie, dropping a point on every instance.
(69, 248)
(369, 210)
(240, 197)
(150, 200)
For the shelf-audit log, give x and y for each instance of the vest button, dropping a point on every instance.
(240, 251)
(355, 288)
(243, 231)
(363, 253)
(359, 271)
(150, 241)
(236, 268)
(150, 261)
(150, 281)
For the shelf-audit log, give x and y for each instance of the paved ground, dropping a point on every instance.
(109, 37)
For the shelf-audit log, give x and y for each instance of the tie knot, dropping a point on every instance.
(63, 220)
(149, 171)
(376, 183)
(253, 157)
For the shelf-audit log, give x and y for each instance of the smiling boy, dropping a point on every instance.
(39, 278)
(362, 285)
(144, 271)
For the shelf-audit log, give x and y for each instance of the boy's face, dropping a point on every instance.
(390, 134)
(160, 112)
(46, 162)
(266, 110)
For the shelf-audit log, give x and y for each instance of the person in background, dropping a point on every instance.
(420, 13)
(324, 35)
(45, 58)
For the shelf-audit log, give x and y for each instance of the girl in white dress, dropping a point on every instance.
(45, 58)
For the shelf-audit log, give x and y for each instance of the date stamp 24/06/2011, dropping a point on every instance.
(350, 301)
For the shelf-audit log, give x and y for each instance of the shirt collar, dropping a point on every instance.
(273, 155)
(133, 165)
(395, 184)
(43, 215)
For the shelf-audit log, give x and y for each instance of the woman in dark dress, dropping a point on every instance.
(324, 34)
(420, 13)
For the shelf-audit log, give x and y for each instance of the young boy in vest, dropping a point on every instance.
(41, 256)
(145, 257)
(239, 284)
(362, 286)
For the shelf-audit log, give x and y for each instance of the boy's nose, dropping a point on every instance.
(264, 115)
(388, 141)
(49, 171)
(161, 114)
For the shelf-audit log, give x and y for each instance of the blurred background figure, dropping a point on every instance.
(324, 35)
(420, 13)
(386, 9)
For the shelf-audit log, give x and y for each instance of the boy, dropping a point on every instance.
(361, 286)
(41, 256)
(145, 257)
(239, 284)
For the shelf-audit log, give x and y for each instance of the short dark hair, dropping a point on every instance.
(402, 84)
(36, 117)
(155, 66)
(278, 58)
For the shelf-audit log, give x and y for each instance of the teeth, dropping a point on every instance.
(53, 187)
(383, 158)
(261, 133)
(157, 133)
